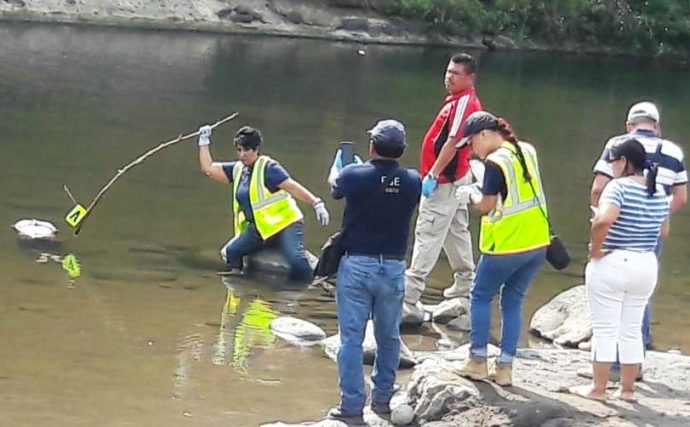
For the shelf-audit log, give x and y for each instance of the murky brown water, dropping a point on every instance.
(148, 335)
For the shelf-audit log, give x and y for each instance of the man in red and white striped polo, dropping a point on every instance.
(443, 220)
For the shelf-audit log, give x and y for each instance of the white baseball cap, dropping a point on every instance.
(645, 110)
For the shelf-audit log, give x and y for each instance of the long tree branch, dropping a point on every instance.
(138, 161)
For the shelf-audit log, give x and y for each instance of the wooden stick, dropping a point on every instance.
(138, 161)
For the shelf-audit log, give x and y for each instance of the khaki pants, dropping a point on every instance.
(442, 223)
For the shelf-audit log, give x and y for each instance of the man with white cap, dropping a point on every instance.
(380, 198)
(643, 123)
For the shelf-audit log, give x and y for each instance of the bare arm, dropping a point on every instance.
(298, 191)
(444, 156)
(209, 168)
(606, 215)
(679, 197)
(486, 204)
(598, 184)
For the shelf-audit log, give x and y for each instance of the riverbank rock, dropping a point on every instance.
(539, 397)
(297, 331)
(450, 309)
(271, 260)
(565, 319)
(332, 344)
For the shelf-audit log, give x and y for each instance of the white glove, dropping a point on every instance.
(205, 135)
(469, 194)
(321, 213)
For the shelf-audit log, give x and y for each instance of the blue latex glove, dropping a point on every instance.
(337, 166)
(429, 184)
(338, 160)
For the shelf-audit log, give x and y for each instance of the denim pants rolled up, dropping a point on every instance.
(510, 275)
(368, 287)
(290, 241)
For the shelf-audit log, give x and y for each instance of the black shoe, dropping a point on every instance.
(230, 271)
(338, 415)
(380, 408)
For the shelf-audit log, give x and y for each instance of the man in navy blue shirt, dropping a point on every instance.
(380, 200)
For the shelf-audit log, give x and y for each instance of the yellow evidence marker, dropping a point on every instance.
(76, 215)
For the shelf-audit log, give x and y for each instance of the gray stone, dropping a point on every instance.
(297, 331)
(71, 2)
(241, 18)
(271, 260)
(450, 309)
(225, 13)
(460, 324)
(332, 344)
(412, 315)
(295, 17)
(354, 24)
(20, 3)
(565, 319)
(504, 42)
(243, 9)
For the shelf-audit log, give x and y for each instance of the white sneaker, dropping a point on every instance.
(456, 291)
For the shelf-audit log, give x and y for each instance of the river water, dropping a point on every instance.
(148, 334)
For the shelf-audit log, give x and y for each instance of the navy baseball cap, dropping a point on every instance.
(388, 132)
(475, 123)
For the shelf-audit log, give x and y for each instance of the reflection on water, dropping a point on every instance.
(244, 327)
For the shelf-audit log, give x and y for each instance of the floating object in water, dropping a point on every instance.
(362, 52)
(35, 229)
(297, 331)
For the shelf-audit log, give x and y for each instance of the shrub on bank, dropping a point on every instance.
(648, 27)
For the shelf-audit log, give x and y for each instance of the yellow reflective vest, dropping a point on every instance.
(518, 223)
(272, 211)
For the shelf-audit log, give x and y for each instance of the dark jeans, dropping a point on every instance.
(290, 241)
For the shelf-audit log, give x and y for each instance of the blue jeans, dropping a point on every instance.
(291, 243)
(368, 287)
(511, 275)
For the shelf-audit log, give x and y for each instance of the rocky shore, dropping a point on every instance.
(330, 19)
(433, 395)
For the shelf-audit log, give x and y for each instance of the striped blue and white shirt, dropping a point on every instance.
(639, 222)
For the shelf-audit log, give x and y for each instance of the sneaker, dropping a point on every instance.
(614, 375)
(456, 291)
(474, 369)
(380, 408)
(502, 374)
(412, 314)
(338, 415)
(230, 271)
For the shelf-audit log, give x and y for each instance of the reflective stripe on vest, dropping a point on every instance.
(272, 211)
(516, 224)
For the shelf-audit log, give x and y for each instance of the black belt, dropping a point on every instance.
(378, 256)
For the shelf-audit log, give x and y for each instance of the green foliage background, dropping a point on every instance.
(652, 27)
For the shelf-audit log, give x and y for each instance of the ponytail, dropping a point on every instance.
(651, 178)
(507, 132)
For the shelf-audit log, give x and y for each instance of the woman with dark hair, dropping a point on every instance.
(263, 202)
(514, 235)
(622, 271)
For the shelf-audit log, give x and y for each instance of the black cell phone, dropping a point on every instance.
(347, 153)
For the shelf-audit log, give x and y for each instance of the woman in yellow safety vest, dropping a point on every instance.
(262, 200)
(514, 235)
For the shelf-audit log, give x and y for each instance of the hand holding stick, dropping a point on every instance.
(138, 161)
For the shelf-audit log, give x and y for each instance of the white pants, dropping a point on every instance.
(619, 286)
(442, 223)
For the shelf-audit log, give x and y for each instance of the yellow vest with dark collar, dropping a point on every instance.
(272, 211)
(518, 223)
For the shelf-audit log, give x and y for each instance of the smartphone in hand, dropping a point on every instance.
(347, 152)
